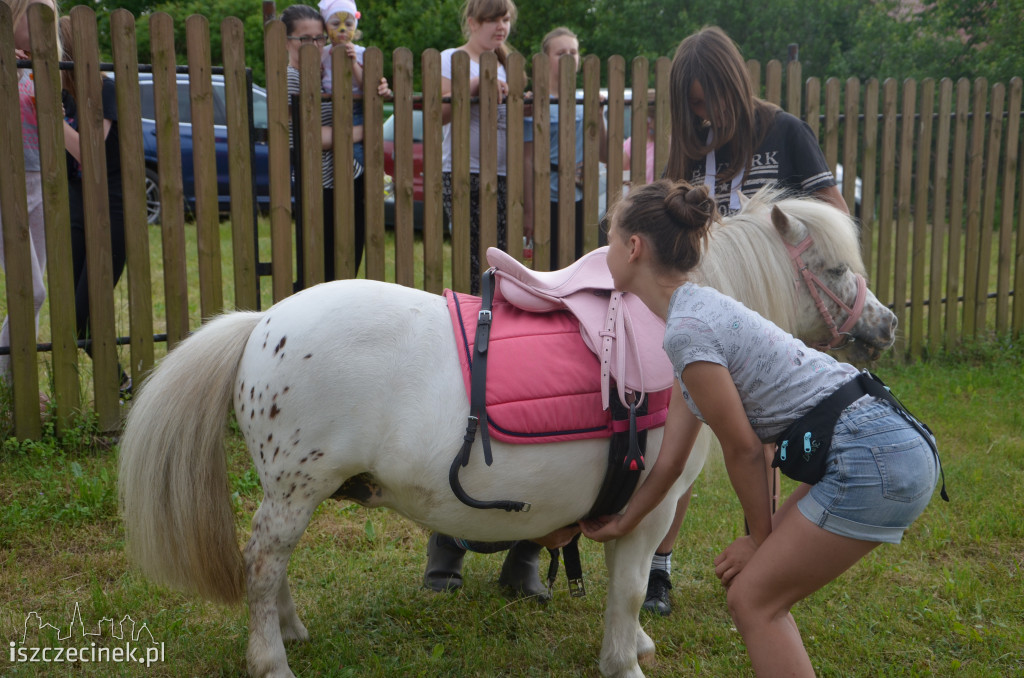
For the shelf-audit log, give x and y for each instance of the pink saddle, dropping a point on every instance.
(624, 334)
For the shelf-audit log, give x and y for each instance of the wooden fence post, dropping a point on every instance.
(276, 66)
(56, 210)
(433, 208)
(96, 208)
(237, 98)
(16, 246)
(204, 165)
(542, 225)
(515, 199)
(133, 172)
(172, 195)
(401, 76)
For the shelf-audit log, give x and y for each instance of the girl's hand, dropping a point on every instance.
(383, 89)
(603, 528)
(734, 558)
(559, 537)
(350, 49)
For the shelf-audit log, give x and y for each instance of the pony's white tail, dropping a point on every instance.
(173, 487)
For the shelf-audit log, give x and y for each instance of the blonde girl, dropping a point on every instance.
(486, 25)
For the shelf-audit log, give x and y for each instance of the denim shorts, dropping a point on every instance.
(879, 476)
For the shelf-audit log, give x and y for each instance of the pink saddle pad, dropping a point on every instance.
(543, 382)
(585, 288)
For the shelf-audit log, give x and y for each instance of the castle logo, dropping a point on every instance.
(118, 641)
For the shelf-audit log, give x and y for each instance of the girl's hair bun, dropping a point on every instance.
(689, 206)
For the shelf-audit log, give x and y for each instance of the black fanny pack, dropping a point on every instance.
(802, 449)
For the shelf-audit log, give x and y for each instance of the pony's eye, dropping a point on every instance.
(838, 271)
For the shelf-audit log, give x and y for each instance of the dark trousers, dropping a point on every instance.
(78, 256)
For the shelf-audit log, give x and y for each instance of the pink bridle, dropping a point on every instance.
(840, 335)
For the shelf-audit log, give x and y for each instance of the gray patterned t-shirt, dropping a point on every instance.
(778, 377)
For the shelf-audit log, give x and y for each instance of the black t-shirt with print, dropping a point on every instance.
(789, 156)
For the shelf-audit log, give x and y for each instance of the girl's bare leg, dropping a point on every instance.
(796, 560)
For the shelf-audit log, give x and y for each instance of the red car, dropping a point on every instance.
(417, 169)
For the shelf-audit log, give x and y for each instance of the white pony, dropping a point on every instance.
(353, 390)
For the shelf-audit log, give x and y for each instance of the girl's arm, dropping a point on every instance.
(446, 109)
(713, 391)
(357, 68)
(681, 429)
(832, 196)
(73, 142)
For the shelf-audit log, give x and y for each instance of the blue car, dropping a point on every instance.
(260, 162)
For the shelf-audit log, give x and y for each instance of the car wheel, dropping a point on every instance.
(152, 196)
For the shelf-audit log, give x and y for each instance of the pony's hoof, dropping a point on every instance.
(297, 633)
(644, 647)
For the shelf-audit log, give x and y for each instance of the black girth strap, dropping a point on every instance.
(625, 464)
(478, 406)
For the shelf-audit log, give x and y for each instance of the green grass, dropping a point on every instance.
(948, 601)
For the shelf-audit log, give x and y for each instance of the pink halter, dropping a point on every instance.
(840, 336)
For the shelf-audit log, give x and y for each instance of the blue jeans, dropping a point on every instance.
(879, 476)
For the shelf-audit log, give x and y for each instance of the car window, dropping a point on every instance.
(220, 111)
(259, 110)
(184, 105)
(259, 103)
(417, 127)
(148, 108)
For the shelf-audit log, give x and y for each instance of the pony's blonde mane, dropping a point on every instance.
(747, 259)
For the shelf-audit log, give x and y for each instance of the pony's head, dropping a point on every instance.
(824, 248)
(809, 270)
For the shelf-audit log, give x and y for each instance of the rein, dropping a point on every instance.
(840, 335)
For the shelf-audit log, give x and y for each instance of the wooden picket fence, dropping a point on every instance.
(939, 164)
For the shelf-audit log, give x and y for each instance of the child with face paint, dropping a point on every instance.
(341, 19)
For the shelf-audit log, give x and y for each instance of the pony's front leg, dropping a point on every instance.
(629, 562)
(275, 531)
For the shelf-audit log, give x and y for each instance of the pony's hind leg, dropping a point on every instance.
(272, 619)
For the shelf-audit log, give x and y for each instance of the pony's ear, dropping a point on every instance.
(781, 223)
(744, 199)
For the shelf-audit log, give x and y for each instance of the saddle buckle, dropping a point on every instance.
(576, 588)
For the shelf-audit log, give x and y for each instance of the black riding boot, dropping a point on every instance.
(519, 571)
(444, 564)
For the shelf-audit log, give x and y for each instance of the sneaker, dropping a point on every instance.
(658, 586)
(125, 389)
